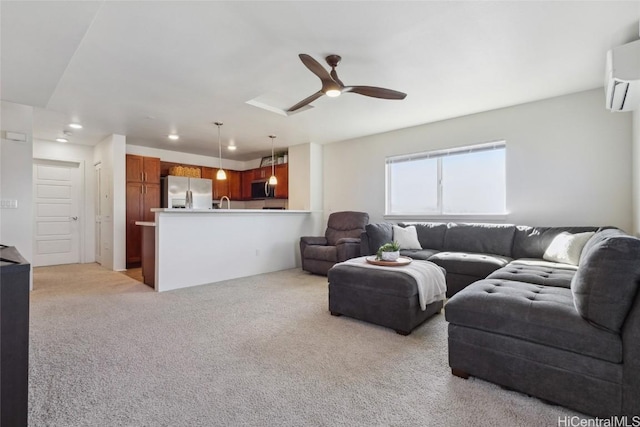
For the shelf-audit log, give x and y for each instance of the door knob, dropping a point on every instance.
(75, 218)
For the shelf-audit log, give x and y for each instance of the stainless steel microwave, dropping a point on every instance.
(262, 190)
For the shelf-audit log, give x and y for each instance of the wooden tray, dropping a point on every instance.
(403, 260)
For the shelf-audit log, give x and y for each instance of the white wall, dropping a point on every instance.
(568, 161)
(119, 143)
(16, 178)
(305, 177)
(82, 154)
(636, 173)
(110, 153)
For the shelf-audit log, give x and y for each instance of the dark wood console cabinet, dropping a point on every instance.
(14, 337)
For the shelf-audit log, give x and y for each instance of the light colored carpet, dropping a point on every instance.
(106, 350)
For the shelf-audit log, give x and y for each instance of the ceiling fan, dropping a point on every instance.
(332, 86)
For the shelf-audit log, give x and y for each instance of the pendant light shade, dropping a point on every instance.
(272, 179)
(221, 175)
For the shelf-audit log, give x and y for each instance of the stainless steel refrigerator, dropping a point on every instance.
(178, 191)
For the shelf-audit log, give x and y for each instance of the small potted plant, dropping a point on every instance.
(389, 252)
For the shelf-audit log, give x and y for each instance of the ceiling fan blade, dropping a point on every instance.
(315, 67)
(307, 100)
(334, 76)
(376, 92)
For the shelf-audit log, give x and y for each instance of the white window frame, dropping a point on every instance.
(440, 154)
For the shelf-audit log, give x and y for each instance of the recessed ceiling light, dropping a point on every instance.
(174, 137)
(75, 125)
(62, 140)
(231, 147)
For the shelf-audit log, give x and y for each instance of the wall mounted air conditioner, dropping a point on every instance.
(622, 80)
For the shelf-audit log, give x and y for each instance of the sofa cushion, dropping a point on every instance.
(406, 237)
(470, 264)
(537, 272)
(430, 234)
(323, 253)
(535, 313)
(567, 247)
(423, 254)
(606, 282)
(531, 242)
(480, 238)
(378, 235)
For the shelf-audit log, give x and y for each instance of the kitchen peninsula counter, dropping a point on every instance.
(200, 246)
(229, 211)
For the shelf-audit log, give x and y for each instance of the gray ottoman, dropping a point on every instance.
(383, 297)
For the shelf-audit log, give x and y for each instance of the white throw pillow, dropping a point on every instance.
(407, 237)
(567, 247)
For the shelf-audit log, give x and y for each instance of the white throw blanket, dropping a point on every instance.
(431, 282)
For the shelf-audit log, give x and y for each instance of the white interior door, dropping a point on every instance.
(56, 212)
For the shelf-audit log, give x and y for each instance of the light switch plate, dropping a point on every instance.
(8, 204)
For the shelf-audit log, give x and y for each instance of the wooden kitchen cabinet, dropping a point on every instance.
(143, 169)
(134, 213)
(282, 173)
(235, 184)
(142, 194)
(150, 200)
(247, 179)
(262, 173)
(208, 173)
(219, 187)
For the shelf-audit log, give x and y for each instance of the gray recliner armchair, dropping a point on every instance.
(341, 242)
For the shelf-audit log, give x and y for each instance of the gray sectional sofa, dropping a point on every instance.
(568, 334)
(469, 252)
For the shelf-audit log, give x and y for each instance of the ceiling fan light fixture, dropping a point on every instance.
(331, 89)
(62, 139)
(332, 86)
(332, 93)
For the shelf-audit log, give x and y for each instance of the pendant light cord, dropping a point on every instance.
(272, 165)
(219, 144)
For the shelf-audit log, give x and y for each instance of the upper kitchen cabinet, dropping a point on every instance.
(207, 172)
(235, 184)
(247, 178)
(282, 188)
(262, 173)
(220, 187)
(143, 169)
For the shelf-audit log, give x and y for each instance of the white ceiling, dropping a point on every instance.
(148, 68)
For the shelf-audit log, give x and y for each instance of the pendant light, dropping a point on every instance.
(272, 179)
(221, 175)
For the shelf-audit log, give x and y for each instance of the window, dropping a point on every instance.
(461, 181)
